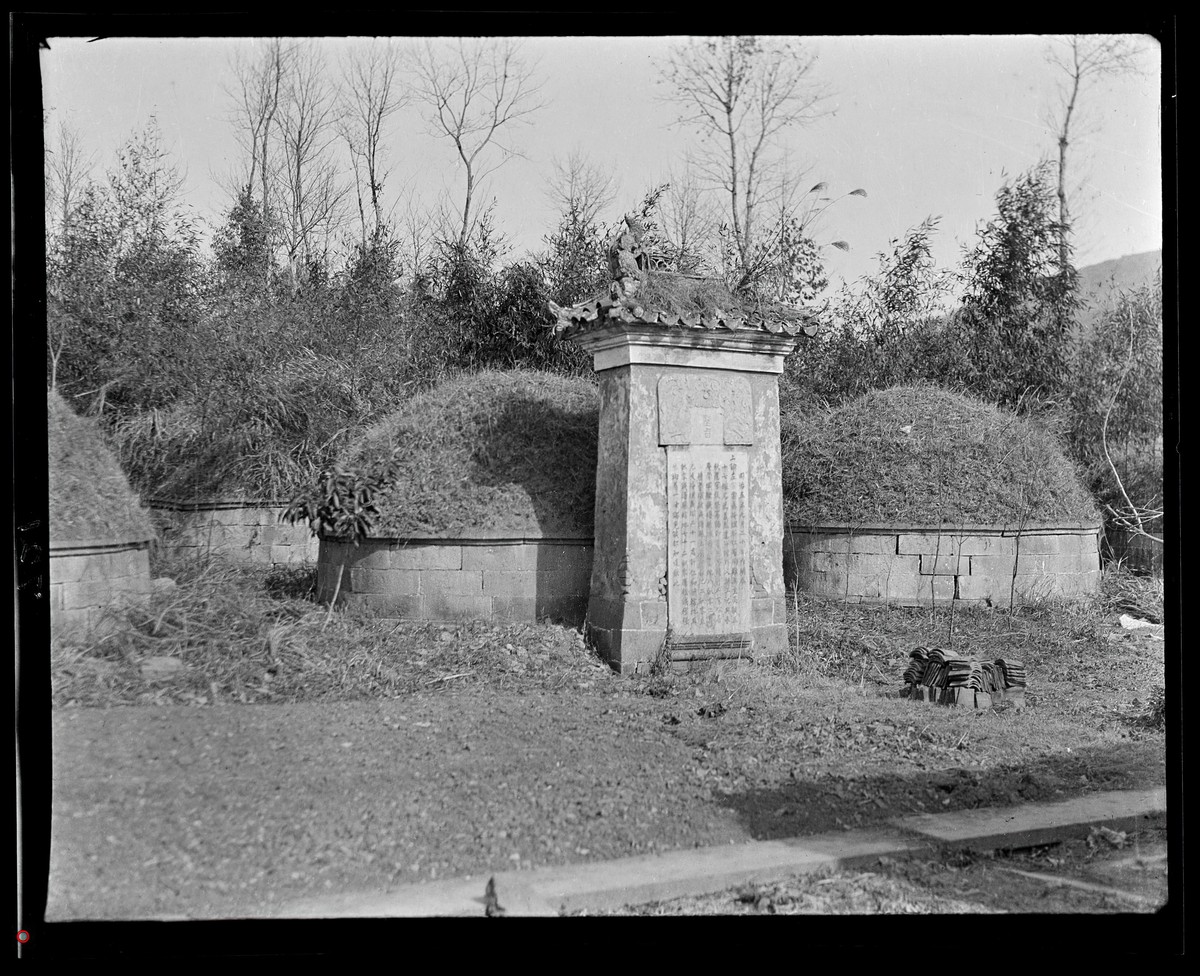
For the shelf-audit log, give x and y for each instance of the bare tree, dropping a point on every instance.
(1082, 60)
(371, 94)
(311, 185)
(68, 168)
(474, 93)
(256, 91)
(581, 187)
(416, 230)
(742, 93)
(689, 219)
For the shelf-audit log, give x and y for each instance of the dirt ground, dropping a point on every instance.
(256, 752)
(229, 810)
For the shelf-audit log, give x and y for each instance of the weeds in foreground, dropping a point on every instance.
(1071, 651)
(1137, 594)
(226, 633)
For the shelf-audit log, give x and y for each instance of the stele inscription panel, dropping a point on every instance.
(708, 541)
(710, 409)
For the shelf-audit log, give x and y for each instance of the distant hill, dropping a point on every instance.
(1097, 280)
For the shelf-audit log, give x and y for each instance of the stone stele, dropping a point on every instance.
(689, 504)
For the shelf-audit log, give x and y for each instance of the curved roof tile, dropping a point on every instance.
(594, 313)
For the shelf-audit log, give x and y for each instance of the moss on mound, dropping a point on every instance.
(90, 499)
(922, 455)
(499, 451)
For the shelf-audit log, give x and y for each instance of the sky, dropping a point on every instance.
(927, 126)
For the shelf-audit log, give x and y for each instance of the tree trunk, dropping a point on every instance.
(465, 233)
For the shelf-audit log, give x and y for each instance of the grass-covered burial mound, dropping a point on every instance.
(99, 532)
(511, 452)
(921, 455)
(90, 498)
(916, 495)
(473, 500)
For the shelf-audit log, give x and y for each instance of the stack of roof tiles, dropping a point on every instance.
(935, 668)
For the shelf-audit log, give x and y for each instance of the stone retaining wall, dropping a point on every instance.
(87, 576)
(919, 565)
(240, 530)
(504, 580)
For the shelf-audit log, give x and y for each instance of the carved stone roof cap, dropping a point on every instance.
(656, 305)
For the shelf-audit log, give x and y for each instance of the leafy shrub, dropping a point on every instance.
(890, 330)
(575, 262)
(474, 317)
(1020, 301)
(125, 284)
(346, 503)
(1008, 342)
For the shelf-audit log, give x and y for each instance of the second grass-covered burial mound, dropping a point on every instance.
(481, 495)
(918, 494)
(99, 532)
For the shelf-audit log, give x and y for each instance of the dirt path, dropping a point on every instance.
(228, 811)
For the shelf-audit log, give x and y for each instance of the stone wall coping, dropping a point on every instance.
(900, 528)
(80, 547)
(620, 343)
(213, 504)
(479, 538)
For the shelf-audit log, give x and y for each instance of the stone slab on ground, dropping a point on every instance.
(625, 881)
(1037, 823)
(678, 874)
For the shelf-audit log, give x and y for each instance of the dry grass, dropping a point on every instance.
(239, 634)
(1080, 662)
(680, 294)
(923, 455)
(684, 294)
(498, 450)
(89, 495)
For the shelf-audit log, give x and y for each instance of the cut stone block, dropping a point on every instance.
(863, 564)
(370, 556)
(516, 558)
(283, 555)
(654, 615)
(398, 606)
(395, 581)
(798, 542)
(449, 582)
(497, 583)
(1033, 564)
(424, 557)
(564, 559)
(1061, 544)
(916, 590)
(952, 565)
(922, 544)
(762, 612)
(455, 606)
(514, 609)
(88, 593)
